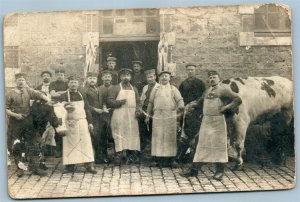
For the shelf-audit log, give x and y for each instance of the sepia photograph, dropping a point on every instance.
(126, 102)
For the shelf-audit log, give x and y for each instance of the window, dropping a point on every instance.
(129, 23)
(271, 18)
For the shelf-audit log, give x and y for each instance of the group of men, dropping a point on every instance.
(136, 108)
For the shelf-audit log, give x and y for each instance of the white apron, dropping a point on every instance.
(212, 143)
(164, 127)
(124, 125)
(77, 144)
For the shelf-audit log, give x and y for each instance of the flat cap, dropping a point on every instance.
(111, 58)
(74, 77)
(91, 74)
(60, 70)
(164, 72)
(20, 75)
(46, 72)
(137, 62)
(124, 70)
(212, 72)
(190, 64)
(150, 71)
(106, 72)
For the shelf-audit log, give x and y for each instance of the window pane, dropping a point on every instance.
(260, 21)
(273, 21)
(107, 26)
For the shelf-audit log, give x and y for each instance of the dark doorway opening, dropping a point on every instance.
(126, 52)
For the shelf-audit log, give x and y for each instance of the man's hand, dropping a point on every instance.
(91, 128)
(99, 111)
(19, 116)
(147, 120)
(122, 102)
(223, 109)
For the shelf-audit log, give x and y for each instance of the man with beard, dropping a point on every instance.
(57, 88)
(111, 66)
(77, 144)
(48, 137)
(21, 126)
(94, 99)
(44, 87)
(191, 89)
(146, 131)
(212, 141)
(124, 99)
(164, 103)
(138, 78)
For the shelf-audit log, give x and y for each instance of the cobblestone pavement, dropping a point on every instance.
(141, 179)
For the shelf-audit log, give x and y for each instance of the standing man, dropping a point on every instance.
(95, 102)
(106, 117)
(77, 144)
(44, 87)
(164, 103)
(21, 126)
(145, 130)
(191, 89)
(111, 66)
(57, 88)
(139, 79)
(212, 143)
(124, 99)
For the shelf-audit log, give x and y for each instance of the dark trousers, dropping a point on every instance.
(23, 138)
(100, 137)
(145, 132)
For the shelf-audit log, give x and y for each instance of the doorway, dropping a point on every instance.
(127, 51)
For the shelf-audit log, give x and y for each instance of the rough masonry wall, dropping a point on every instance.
(209, 37)
(46, 41)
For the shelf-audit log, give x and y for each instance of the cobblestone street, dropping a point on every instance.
(140, 179)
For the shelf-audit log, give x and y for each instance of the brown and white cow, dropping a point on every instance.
(261, 97)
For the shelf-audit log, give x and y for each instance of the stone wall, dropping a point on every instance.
(45, 42)
(209, 37)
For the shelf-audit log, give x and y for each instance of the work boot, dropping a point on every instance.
(189, 173)
(118, 158)
(43, 166)
(90, 168)
(40, 172)
(20, 172)
(69, 168)
(218, 176)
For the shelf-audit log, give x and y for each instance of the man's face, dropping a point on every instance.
(21, 82)
(91, 80)
(125, 77)
(151, 78)
(60, 76)
(73, 84)
(106, 78)
(164, 79)
(46, 77)
(191, 71)
(111, 65)
(137, 68)
(213, 80)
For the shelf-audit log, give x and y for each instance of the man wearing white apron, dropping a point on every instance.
(212, 142)
(77, 144)
(124, 100)
(165, 100)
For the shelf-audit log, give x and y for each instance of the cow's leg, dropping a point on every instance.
(241, 126)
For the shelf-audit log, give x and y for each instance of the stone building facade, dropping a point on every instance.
(238, 41)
